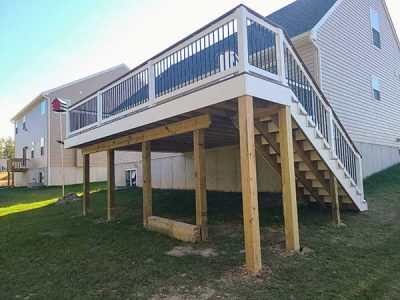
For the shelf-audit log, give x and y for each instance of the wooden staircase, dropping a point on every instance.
(315, 164)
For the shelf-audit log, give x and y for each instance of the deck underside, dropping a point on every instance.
(222, 131)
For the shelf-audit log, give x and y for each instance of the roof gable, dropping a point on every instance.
(122, 68)
(301, 16)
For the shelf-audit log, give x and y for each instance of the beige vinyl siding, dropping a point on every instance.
(36, 128)
(309, 55)
(133, 156)
(76, 92)
(349, 59)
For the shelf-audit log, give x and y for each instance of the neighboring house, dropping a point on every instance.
(352, 50)
(37, 132)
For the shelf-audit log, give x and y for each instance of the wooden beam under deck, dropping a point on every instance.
(146, 175)
(178, 230)
(200, 182)
(188, 125)
(110, 185)
(86, 183)
(335, 199)
(288, 179)
(249, 184)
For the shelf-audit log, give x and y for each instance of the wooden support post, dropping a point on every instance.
(8, 178)
(200, 182)
(146, 175)
(86, 183)
(249, 184)
(335, 199)
(288, 179)
(111, 185)
(12, 178)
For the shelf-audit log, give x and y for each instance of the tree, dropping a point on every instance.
(6, 148)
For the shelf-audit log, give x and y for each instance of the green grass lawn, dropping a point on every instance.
(50, 251)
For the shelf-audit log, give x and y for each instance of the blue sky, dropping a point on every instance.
(47, 43)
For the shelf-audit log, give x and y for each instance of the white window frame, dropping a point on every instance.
(130, 176)
(376, 86)
(24, 123)
(41, 146)
(375, 25)
(43, 108)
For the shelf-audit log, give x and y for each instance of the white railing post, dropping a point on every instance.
(67, 123)
(152, 81)
(331, 133)
(280, 56)
(243, 50)
(360, 183)
(99, 107)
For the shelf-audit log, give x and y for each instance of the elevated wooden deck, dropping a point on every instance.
(15, 165)
(237, 81)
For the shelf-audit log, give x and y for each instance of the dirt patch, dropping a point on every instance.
(185, 293)
(230, 230)
(180, 251)
(69, 198)
(280, 249)
(242, 275)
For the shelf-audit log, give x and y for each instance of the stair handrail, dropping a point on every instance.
(332, 120)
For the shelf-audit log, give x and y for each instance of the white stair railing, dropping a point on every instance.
(322, 115)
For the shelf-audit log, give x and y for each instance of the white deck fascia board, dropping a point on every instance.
(244, 84)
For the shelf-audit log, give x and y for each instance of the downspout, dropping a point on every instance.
(313, 39)
(47, 143)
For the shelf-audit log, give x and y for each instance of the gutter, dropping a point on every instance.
(47, 143)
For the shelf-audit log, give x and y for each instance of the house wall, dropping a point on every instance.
(76, 92)
(377, 158)
(38, 127)
(74, 175)
(348, 61)
(176, 171)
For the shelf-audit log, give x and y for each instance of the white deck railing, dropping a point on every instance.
(241, 41)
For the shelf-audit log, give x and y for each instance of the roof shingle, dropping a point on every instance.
(301, 16)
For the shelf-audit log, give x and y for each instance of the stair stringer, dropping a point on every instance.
(314, 137)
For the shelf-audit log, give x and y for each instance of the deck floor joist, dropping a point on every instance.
(222, 132)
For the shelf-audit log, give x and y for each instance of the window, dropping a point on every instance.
(24, 156)
(33, 150)
(376, 90)
(24, 123)
(43, 107)
(41, 177)
(16, 127)
(376, 35)
(42, 146)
